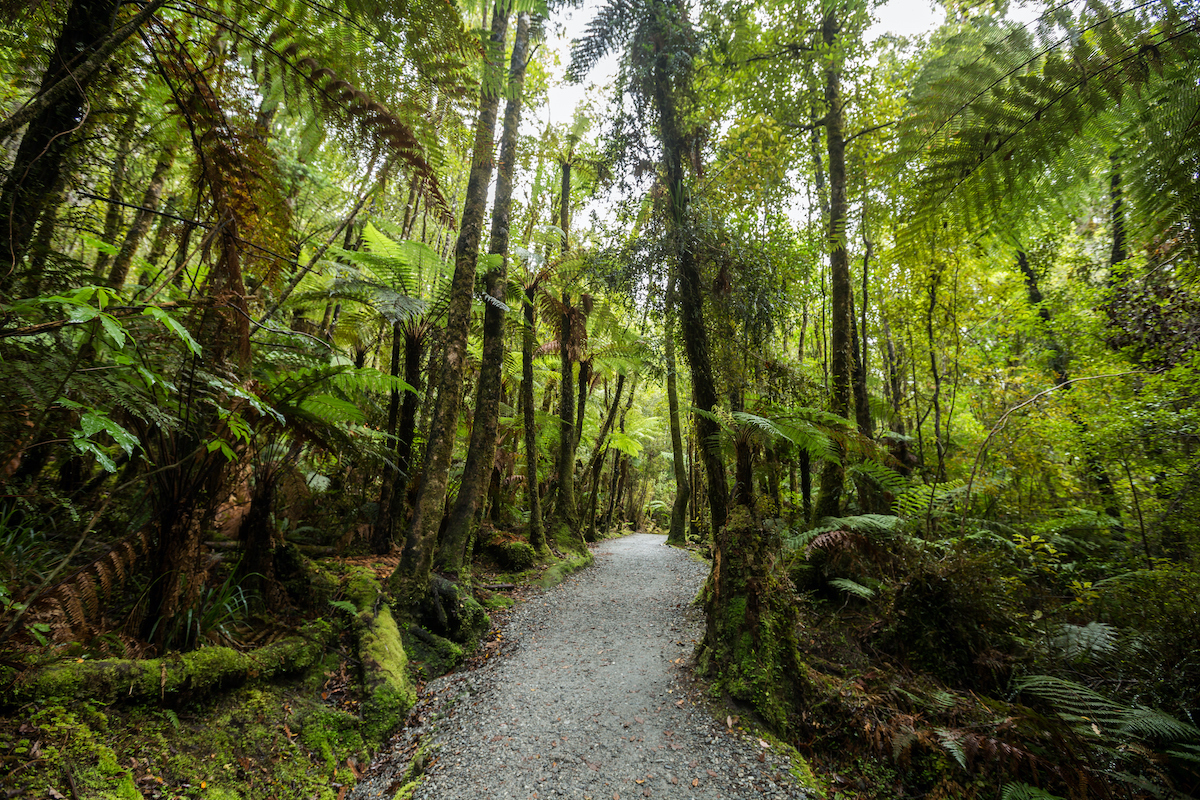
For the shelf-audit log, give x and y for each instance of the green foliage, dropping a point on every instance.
(1093, 714)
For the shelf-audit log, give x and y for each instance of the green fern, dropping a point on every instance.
(852, 587)
(1023, 791)
(1093, 714)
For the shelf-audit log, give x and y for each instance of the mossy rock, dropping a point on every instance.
(514, 556)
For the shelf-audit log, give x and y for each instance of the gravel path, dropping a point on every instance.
(591, 697)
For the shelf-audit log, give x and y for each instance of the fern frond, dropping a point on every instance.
(853, 587)
(1023, 791)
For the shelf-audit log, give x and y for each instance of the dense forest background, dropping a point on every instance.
(903, 333)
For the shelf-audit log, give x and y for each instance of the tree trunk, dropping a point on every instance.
(481, 452)
(597, 463)
(829, 501)
(677, 535)
(116, 193)
(141, 220)
(537, 536)
(49, 134)
(691, 305)
(410, 581)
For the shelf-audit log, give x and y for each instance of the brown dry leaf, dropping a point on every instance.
(674, 780)
(353, 768)
(678, 702)
(695, 782)
(711, 774)
(638, 720)
(762, 756)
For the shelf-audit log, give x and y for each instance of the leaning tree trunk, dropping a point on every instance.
(481, 452)
(50, 133)
(829, 500)
(597, 463)
(410, 581)
(141, 220)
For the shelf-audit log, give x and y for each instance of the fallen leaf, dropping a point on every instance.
(695, 782)
(711, 774)
(638, 720)
(762, 756)
(678, 702)
(674, 780)
(639, 780)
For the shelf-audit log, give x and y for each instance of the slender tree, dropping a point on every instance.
(410, 581)
(481, 451)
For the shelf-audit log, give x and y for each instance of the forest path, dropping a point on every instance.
(592, 699)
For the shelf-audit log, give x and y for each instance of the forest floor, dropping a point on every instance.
(591, 695)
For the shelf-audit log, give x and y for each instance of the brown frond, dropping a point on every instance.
(104, 573)
(838, 541)
(87, 595)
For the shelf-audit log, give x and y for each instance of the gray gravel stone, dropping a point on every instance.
(591, 697)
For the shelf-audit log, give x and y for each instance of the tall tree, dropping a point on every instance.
(410, 581)
(482, 448)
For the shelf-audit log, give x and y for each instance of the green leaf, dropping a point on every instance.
(175, 327)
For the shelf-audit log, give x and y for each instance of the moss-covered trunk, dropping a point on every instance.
(410, 581)
(481, 451)
(749, 648)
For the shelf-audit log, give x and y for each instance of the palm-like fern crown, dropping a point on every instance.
(1007, 116)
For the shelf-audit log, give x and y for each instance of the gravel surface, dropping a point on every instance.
(590, 695)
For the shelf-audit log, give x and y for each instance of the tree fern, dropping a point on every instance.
(1027, 112)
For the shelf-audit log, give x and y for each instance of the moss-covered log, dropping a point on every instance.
(173, 678)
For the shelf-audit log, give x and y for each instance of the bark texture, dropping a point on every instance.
(411, 581)
(829, 500)
(481, 452)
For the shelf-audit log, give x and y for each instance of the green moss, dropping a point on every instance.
(516, 556)
(559, 572)
(176, 676)
(496, 601)
(473, 622)
(798, 765)
(432, 655)
(361, 588)
(385, 666)
(566, 538)
(406, 791)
